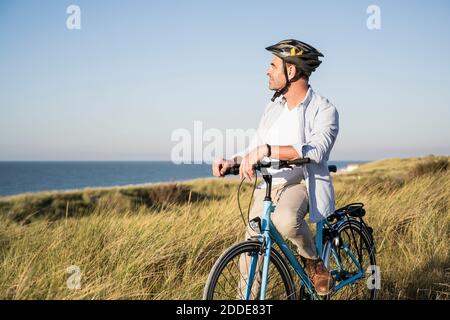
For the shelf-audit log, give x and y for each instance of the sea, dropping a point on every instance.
(34, 176)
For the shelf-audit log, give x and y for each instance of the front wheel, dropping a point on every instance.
(228, 279)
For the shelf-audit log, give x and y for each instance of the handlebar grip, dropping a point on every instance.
(233, 170)
(299, 162)
(332, 168)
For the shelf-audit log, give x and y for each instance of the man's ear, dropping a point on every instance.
(292, 71)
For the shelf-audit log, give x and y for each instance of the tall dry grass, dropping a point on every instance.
(159, 242)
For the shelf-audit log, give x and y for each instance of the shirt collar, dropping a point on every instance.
(306, 100)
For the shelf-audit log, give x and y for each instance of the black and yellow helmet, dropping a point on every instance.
(298, 53)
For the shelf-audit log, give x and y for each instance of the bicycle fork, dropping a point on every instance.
(265, 252)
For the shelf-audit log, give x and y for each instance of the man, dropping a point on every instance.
(297, 123)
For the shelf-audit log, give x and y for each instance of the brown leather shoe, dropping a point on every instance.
(321, 278)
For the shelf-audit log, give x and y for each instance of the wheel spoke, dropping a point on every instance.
(230, 281)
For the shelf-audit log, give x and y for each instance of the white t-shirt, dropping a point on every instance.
(285, 132)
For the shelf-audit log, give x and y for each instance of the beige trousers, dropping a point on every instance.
(291, 203)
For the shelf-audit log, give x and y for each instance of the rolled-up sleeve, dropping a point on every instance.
(323, 135)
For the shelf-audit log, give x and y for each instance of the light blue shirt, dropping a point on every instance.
(318, 129)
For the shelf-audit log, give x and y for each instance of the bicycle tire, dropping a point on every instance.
(352, 229)
(279, 275)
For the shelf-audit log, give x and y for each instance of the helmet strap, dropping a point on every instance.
(286, 86)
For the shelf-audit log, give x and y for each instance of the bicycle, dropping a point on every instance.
(343, 240)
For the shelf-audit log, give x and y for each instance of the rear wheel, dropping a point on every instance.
(360, 244)
(228, 278)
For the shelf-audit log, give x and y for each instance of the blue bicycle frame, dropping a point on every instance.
(269, 233)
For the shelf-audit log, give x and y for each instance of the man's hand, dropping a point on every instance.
(246, 169)
(220, 166)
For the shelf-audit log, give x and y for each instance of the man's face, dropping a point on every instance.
(277, 80)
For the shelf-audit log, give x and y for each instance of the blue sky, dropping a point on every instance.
(138, 70)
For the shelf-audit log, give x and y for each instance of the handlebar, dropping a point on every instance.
(234, 170)
(271, 164)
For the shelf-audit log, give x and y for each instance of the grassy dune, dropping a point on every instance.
(160, 241)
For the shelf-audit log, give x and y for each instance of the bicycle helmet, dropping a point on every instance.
(298, 53)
